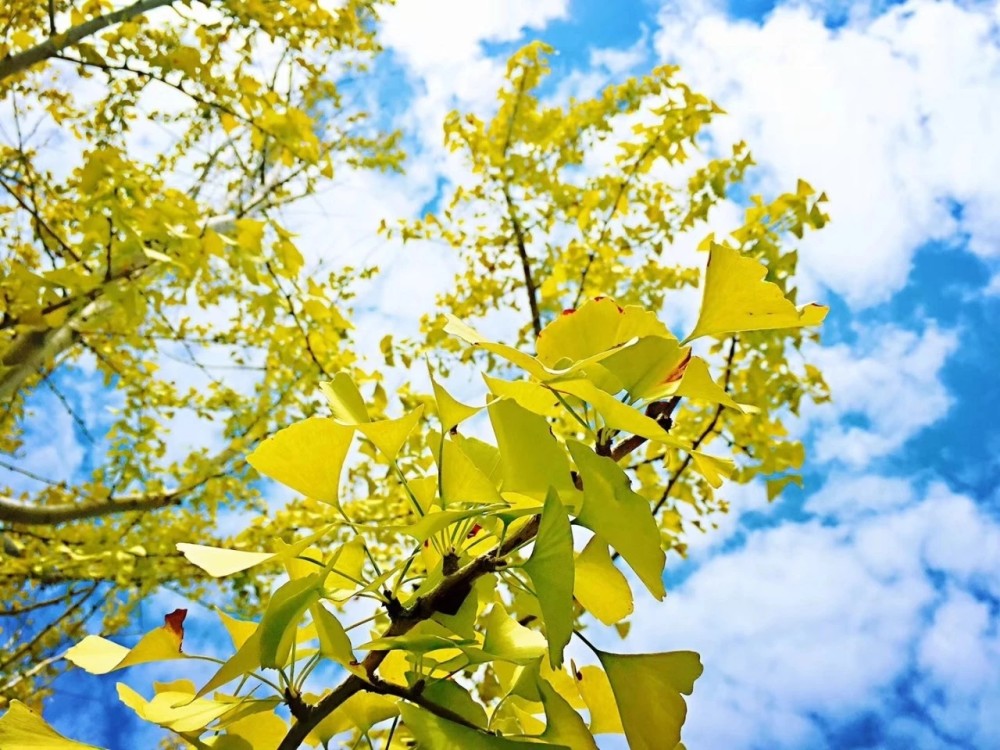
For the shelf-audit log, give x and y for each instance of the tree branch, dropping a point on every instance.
(452, 590)
(52, 46)
(522, 252)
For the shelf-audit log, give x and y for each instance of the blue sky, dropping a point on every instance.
(864, 610)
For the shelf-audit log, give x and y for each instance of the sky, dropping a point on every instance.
(862, 611)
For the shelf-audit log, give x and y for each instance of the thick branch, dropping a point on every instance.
(14, 512)
(445, 594)
(52, 46)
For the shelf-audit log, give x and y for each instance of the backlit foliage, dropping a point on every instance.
(440, 560)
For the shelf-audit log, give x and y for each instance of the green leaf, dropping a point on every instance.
(562, 723)
(509, 640)
(599, 586)
(244, 661)
(551, 570)
(613, 510)
(345, 400)
(431, 731)
(334, 643)
(23, 729)
(287, 606)
(532, 459)
(736, 298)
(647, 689)
(458, 699)
(361, 711)
(307, 456)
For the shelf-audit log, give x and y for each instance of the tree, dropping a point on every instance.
(462, 548)
(120, 256)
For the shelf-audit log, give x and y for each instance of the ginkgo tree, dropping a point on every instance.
(151, 298)
(466, 643)
(449, 530)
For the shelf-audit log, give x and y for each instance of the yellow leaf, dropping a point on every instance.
(181, 712)
(219, 562)
(307, 456)
(239, 630)
(562, 723)
(451, 412)
(593, 685)
(432, 731)
(697, 383)
(599, 586)
(23, 729)
(99, 655)
(345, 399)
(736, 298)
(334, 642)
(388, 435)
(647, 689)
(624, 518)
(229, 122)
(360, 712)
(527, 393)
(713, 468)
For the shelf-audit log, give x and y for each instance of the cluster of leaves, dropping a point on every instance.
(119, 256)
(461, 547)
(475, 611)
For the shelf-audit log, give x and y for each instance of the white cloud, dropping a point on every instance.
(893, 118)
(886, 388)
(812, 622)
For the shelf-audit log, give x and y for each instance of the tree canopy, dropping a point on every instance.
(476, 536)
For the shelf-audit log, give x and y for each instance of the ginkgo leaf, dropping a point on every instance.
(532, 459)
(287, 606)
(23, 729)
(616, 414)
(361, 711)
(509, 640)
(415, 642)
(334, 642)
(388, 435)
(593, 684)
(432, 731)
(437, 520)
(515, 356)
(244, 661)
(596, 326)
(737, 298)
(345, 400)
(550, 567)
(647, 689)
(307, 456)
(451, 411)
(623, 518)
(462, 481)
(599, 586)
(642, 368)
(563, 725)
(529, 394)
(220, 562)
(697, 383)
(449, 693)
(98, 655)
(181, 712)
(713, 468)
(239, 630)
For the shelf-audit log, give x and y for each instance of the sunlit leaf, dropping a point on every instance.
(434, 732)
(593, 685)
(98, 655)
(345, 400)
(599, 586)
(181, 712)
(388, 435)
(619, 515)
(532, 459)
(307, 456)
(736, 298)
(563, 725)
(23, 729)
(284, 611)
(550, 567)
(451, 412)
(647, 689)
